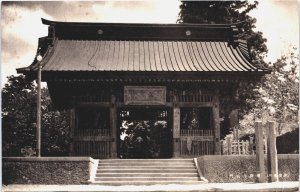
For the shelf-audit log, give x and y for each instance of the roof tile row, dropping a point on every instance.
(105, 55)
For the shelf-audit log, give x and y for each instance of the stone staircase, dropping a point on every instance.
(146, 172)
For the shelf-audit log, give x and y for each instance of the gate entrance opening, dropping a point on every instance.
(144, 133)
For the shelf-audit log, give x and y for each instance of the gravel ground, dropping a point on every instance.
(278, 186)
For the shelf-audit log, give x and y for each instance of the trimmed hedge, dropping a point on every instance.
(46, 170)
(288, 164)
(234, 168)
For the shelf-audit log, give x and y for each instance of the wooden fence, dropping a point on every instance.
(236, 147)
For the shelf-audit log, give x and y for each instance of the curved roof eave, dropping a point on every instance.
(147, 55)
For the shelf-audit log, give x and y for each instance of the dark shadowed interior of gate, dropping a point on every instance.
(144, 133)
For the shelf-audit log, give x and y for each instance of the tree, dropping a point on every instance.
(236, 13)
(19, 121)
(143, 139)
(228, 12)
(18, 115)
(276, 98)
(55, 128)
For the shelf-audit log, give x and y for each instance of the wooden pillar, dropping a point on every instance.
(216, 120)
(72, 129)
(260, 160)
(272, 153)
(113, 126)
(176, 128)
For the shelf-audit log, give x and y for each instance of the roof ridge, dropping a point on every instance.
(53, 23)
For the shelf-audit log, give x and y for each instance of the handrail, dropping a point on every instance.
(202, 178)
(93, 170)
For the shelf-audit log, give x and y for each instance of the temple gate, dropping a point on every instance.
(108, 73)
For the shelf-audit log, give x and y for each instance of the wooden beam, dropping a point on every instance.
(94, 104)
(195, 104)
(170, 104)
(198, 138)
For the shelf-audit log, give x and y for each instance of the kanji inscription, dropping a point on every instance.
(144, 95)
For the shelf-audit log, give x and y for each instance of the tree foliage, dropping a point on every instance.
(144, 139)
(18, 115)
(19, 121)
(228, 12)
(276, 97)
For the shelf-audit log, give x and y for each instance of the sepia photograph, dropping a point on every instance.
(150, 95)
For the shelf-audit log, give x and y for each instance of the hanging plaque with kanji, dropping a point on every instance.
(144, 95)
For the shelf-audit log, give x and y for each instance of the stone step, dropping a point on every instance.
(146, 174)
(178, 182)
(146, 163)
(145, 167)
(146, 160)
(130, 179)
(147, 170)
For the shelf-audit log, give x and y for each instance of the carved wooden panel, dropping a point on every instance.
(144, 95)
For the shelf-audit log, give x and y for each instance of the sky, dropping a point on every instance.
(21, 24)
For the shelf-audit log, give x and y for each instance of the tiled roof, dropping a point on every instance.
(87, 49)
(106, 55)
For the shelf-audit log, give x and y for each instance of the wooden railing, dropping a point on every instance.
(92, 142)
(195, 142)
(195, 132)
(95, 149)
(189, 97)
(195, 147)
(92, 132)
(194, 98)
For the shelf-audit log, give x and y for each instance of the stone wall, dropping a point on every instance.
(234, 168)
(46, 170)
